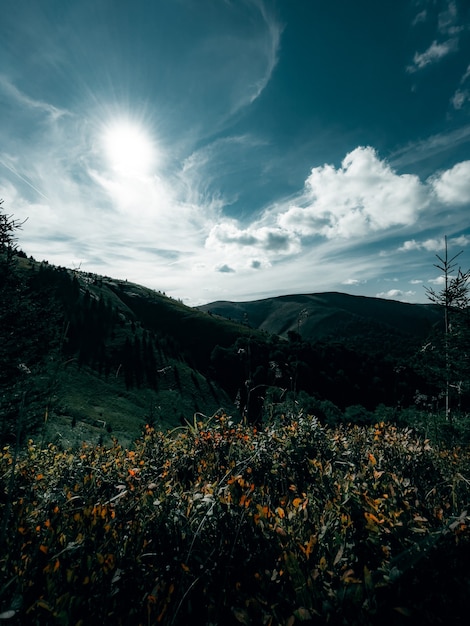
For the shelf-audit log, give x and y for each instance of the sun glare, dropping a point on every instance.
(128, 148)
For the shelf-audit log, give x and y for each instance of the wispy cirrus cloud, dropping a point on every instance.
(460, 98)
(416, 152)
(221, 164)
(447, 34)
(448, 19)
(272, 41)
(237, 61)
(420, 17)
(253, 190)
(12, 92)
(462, 94)
(434, 53)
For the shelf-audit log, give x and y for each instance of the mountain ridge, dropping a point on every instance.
(329, 314)
(134, 354)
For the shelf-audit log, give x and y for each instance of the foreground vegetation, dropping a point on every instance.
(221, 523)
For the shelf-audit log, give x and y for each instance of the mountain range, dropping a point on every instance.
(334, 316)
(130, 354)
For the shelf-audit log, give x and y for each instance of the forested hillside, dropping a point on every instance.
(105, 352)
(99, 349)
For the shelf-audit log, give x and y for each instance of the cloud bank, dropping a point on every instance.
(239, 201)
(153, 229)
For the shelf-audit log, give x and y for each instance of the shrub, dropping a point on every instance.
(221, 523)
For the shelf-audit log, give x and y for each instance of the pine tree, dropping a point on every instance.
(454, 298)
(29, 326)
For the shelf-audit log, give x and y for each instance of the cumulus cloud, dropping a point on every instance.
(439, 280)
(353, 281)
(227, 234)
(453, 185)
(431, 245)
(361, 201)
(463, 240)
(157, 230)
(364, 195)
(396, 294)
(434, 245)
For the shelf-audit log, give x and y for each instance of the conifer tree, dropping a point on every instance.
(28, 334)
(454, 298)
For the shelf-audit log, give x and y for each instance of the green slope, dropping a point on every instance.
(196, 332)
(94, 394)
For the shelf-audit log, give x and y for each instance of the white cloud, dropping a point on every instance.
(439, 280)
(434, 245)
(433, 54)
(459, 98)
(448, 25)
(364, 195)
(396, 294)
(353, 281)
(447, 20)
(420, 17)
(239, 245)
(409, 245)
(171, 232)
(466, 76)
(462, 241)
(431, 245)
(452, 187)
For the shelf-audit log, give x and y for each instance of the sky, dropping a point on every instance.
(239, 149)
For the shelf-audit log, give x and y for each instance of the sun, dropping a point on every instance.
(128, 148)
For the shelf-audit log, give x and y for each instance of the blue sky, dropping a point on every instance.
(239, 149)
